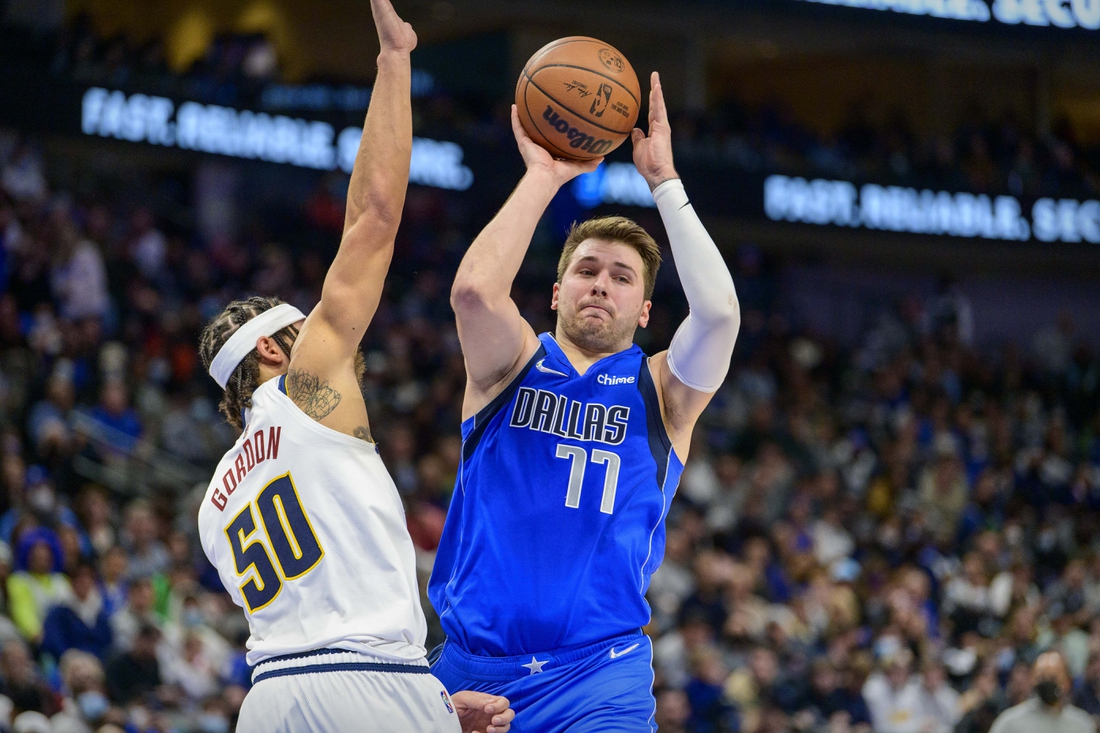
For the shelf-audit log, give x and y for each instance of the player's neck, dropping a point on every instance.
(267, 373)
(579, 356)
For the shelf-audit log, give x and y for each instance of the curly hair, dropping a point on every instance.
(245, 378)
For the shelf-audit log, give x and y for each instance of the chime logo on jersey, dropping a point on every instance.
(546, 412)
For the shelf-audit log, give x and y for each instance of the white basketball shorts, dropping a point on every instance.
(337, 691)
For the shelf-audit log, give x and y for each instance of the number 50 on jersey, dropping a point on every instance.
(289, 536)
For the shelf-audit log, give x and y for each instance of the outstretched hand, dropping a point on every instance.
(479, 712)
(536, 157)
(653, 154)
(394, 34)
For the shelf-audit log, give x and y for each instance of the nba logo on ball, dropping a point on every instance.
(447, 701)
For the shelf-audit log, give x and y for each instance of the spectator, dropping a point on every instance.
(147, 554)
(938, 707)
(137, 613)
(78, 276)
(137, 672)
(112, 585)
(119, 422)
(1086, 694)
(48, 423)
(81, 622)
(673, 711)
(85, 706)
(38, 584)
(893, 696)
(23, 683)
(1050, 709)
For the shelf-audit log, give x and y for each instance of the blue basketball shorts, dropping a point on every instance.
(605, 687)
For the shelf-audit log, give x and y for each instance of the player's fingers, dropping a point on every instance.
(636, 136)
(517, 128)
(658, 107)
(382, 9)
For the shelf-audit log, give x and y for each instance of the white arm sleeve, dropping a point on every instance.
(701, 349)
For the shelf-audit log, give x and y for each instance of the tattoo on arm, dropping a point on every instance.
(311, 393)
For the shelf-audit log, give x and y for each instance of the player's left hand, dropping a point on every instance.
(479, 712)
(653, 154)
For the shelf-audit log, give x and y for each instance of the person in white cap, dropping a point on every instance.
(301, 518)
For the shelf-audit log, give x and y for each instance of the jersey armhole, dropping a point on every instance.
(485, 414)
(660, 445)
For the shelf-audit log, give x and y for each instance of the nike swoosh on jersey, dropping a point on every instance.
(615, 655)
(548, 370)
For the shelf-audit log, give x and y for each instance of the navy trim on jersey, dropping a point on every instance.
(485, 414)
(305, 655)
(343, 667)
(282, 385)
(659, 443)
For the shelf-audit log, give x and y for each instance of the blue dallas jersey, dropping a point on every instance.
(557, 519)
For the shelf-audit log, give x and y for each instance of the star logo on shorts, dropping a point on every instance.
(535, 665)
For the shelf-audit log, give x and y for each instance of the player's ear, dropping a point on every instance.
(643, 319)
(269, 351)
(554, 297)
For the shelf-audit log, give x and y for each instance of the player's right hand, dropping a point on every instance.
(479, 712)
(537, 159)
(394, 34)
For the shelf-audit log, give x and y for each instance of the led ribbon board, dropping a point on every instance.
(1057, 13)
(901, 209)
(210, 128)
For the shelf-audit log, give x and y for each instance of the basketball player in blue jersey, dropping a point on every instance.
(578, 439)
(301, 518)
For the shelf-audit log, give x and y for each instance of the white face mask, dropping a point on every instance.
(213, 723)
(93, 705)
(41, 498)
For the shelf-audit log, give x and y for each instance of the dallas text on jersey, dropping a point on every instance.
(546, 412)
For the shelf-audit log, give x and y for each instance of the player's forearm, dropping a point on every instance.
(493, 260)
(706, 280)
(701, 349)
(381, 173)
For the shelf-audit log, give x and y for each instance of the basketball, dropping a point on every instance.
(578, 97)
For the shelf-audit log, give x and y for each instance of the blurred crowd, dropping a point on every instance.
(990, 153)
(876, 538)
(880, 536)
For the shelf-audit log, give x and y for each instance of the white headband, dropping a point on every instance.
(243, 340)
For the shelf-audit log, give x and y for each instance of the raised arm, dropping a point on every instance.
(322, 377)
(696, 363)
(495, 339)
(376, 195)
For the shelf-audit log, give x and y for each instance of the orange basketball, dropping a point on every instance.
(578, 98)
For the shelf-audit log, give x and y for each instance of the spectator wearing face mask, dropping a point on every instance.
(37, 585)
(85, 707)
(1049, 711)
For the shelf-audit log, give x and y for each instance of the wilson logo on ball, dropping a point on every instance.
(577, 139)
(611, 60)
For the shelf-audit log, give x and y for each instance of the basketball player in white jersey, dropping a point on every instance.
(301, 519)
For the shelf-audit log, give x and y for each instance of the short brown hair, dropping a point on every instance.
(614, 229)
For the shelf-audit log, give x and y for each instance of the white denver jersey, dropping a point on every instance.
(308, 534)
